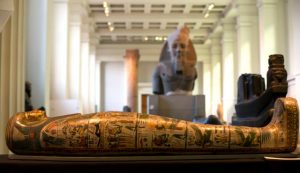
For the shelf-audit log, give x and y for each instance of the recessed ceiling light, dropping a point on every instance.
(105, 4)
(206, 15)
(106, 11)
(211, 6)
(111, 28)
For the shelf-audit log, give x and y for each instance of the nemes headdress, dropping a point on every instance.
(182, 32)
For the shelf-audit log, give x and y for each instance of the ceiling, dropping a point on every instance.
(151, 21)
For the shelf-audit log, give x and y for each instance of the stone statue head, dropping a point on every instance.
(176, 72)
(179, 50)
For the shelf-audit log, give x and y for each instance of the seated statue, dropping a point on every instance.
(125, 133)
(255, 103)
(175, 73)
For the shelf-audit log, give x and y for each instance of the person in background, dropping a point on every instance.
(28, 105)
(126, 108)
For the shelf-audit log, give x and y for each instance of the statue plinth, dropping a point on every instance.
(184, 107)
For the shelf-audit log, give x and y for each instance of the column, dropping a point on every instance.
(17, 59)
(12, 64)
(4, 81)
(58, 78)
(229, 78)
(92, 74)
(207, 90)
(216, 79)
(247, 37)
(36, 51)
(84, 71)
(272, 32)
(102, 85)
(74, 49)
(98, 85)
(131, 59)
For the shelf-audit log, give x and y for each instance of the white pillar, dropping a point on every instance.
(98, 85)
(247, 37)
(17, 59)
(216, 79)
(84, 73)
(229, 78)
(74, 51)
(207, 86)
(58, 89)
(12, 65)
(272, 32)
(92, 74)
(5, 41)
(36, 51)
(102, 85)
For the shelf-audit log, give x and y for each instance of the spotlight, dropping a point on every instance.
(111, 28)
(206, 15)
(105, 4)
(211, 6)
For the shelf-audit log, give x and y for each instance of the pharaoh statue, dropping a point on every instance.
(126, 133)
(175, 76)
(175, 73)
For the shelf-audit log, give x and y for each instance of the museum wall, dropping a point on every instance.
(113, 86)
(145, 71)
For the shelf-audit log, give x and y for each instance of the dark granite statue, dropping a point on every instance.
(255, 103)
(173, 80)
(175, 73)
